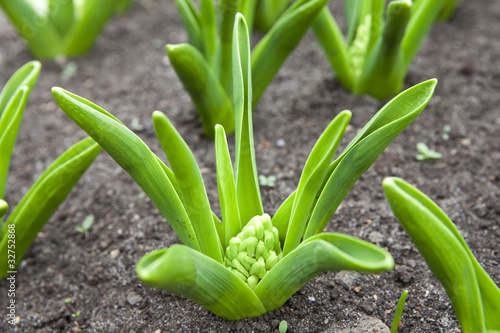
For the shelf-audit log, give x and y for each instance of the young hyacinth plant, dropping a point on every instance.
(60, 28)
(473, 294)
(204, 65)
(376, 54)
(249, 263)
(49, 191)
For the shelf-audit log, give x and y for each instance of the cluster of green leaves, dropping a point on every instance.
(204, 65)
(377, 52)
(473, 294)
(55, 28)
(50, 190)
(197, 269)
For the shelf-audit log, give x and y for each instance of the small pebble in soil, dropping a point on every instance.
(113, 254)
(280, 143)
(133, 298)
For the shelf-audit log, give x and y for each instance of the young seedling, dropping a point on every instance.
(204, 65)
(49, 191)
(399, 312)
(376, 54)
(283, 326)
(248, 264)
(472, 293)
(87, 223)
(59, 28)
(425, 153)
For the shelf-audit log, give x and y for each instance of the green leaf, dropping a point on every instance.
(247, 185)
(422, 18)
(334, 46)
(27, 76)
(426, 153)
(3, 209)
(90, 18)
(191, 20)
(312, 179)
(283, 326)
(365, 148)
(473, 294)
(226, 187)
(227, 13)
(43, 40)
(273, 49)
(13, 99)
(42, 200)
(9, 126)
(184, 271)
(320, 253)
(86, 225)
(207, 93)
(447, 10)
(267, 12)
(248, 9)
(399, 312)
(209, 31)
(190, 182)
(384, 71)
(61, 14)
(132, 154)
(282, 216)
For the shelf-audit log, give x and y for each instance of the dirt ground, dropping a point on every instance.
(128, 74)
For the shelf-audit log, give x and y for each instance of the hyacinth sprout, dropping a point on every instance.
(247, 263)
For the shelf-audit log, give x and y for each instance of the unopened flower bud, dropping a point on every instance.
(254, 251)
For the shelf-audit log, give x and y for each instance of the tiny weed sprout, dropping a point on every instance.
(269, 181)
(472, 293)
(399, 312)
(425, 153)
(204, 65)
(283, 326)
(87, 223)
(446, 132)
(248, 263)
(375, 56)
(50, 190)
(60, 28)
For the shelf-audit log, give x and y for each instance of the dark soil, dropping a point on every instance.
(128, 74)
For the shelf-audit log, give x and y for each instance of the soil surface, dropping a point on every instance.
(128, 74)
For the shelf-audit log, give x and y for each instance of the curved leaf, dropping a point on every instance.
(190, 182)
(312, 179)
(182, 270)
(473, 294)
(272, 51)
(226, 187)
(132, 154)
(190, 17)
(42, 200)
(206, 91)
(320, 253)
(365, 148)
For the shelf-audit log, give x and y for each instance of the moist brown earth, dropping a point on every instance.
(128, 74)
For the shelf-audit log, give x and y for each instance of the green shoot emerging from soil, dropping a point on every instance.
(399, 312)
(249, 263)
(473, 294)
(376, 54)
(60, 28)
(87, 223)
(204, 65)
(425, 153)
(50, 190)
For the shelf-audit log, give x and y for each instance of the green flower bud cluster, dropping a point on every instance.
(254, 251)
